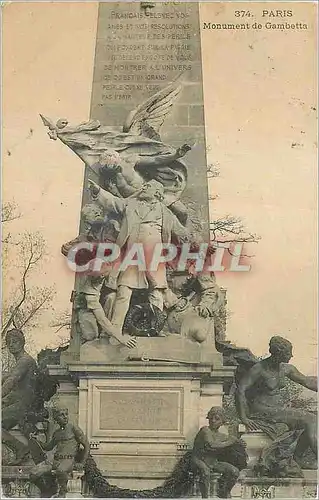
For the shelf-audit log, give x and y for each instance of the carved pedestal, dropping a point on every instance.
(75, 485)
(256, 441)
(213, 486)
(266, 487)
(141, 416)
(16, 484)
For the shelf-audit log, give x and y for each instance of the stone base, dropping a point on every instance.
(140, 420)
(141, 416)
(171, 348)
(75, 486)
(15, 483)
(265, 487)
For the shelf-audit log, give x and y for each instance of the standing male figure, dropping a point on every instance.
(67, 440)
(18, 392)
(91, 314)
(147, 221)
(209, 455)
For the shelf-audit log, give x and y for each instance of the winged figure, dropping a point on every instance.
(124, 160)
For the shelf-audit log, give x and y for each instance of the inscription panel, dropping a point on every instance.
(143, 52)
(138, 53)
(129, 411)
(139, 411)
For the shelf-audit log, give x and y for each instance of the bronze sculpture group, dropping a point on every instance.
(135, 187)
(213, 451)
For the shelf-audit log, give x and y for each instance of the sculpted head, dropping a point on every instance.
(61, 123)
(216, 417)
(280, 349)
(91, 212)
(15, 341)
(152, 190)
(207, 280)
(110, 158)
(61, 416)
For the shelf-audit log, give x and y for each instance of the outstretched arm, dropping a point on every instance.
(107, 200)
(50, 444)
(296, 376)
(108, 327)
(164, 159)
(82, 440)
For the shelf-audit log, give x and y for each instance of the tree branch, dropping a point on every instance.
(32, 249)
(62, 321)
(9, 212)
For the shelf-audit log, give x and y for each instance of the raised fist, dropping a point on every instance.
(183, 150)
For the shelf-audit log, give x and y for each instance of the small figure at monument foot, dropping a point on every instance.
(212, 453)
(71, 447)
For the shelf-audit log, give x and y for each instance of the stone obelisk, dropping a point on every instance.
(140, 416)
(141, 47)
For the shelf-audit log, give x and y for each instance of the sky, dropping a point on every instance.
(261, 129)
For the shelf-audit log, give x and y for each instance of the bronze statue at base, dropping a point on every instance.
(215, 452)
(70, 446)
(259, 406)
(18, 393)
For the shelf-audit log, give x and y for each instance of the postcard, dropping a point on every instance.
(159, 249)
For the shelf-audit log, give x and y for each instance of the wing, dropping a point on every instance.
(148, 118)
(240, 357)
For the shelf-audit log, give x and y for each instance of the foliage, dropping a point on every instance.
(23, 254)
(293, 396)
(230, 229)
(179, 484)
